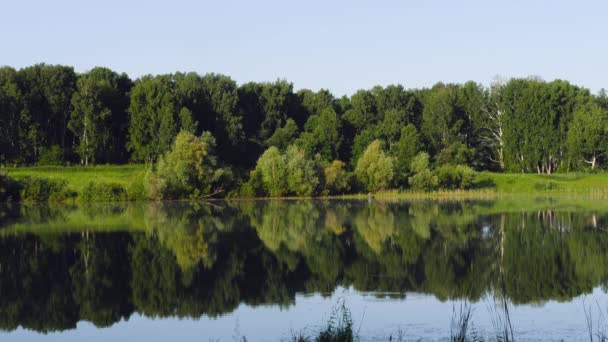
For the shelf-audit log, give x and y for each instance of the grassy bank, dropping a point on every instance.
(486, 185)
(78, 177)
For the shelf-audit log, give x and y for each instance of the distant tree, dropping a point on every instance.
(47, 93)
(337, 179)
(99, 115)
(284, 136)
(188, 169)
(404, 151)
(303, 173)
(423, 178)
(588, 134)
(442, 121)
(273, 170)
(374, 169)
(12, 125)
(322, 135)
(154, 121)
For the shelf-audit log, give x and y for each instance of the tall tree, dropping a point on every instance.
(98, 119)
(154, 120)
(322, 135)
(47, 92)
(588, 134)
(12, 125)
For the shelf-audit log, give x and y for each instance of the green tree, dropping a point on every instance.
(154, 121)
(337, 179)
(189, 168)
(303, 173)
(99, 115)
(322, 134)
(404, 152)
(273, 170)
(587, 138)
(374, 169)
(12, 126)
(423, 178)
(284, 136)
(47, 93)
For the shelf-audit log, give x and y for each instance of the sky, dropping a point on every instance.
(342, 46)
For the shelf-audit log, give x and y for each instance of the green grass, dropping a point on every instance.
(561, 183)
(78, 177)
(486, 185)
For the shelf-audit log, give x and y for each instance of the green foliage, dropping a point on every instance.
(337, 179)
(284, 136)
(38, 189)
(587, 138)
(103, 192)
(98, 117)
(322, 135)
(52, 156)
(423, 178)
(154, 121)
(455, 177)
(339, 327)
(404, 151)
(272, 170)
(303, 174)
(50, 115)
(188, 169)
(374, 169)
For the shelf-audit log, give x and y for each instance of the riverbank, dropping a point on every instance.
(126, 182)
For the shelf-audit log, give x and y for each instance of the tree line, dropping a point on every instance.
(49, 114)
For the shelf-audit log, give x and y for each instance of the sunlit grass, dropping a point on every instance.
(79, 176)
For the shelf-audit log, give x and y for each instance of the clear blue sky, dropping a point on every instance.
(339, 45)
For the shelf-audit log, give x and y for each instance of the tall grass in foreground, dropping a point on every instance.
(339, 328)
(597, 330)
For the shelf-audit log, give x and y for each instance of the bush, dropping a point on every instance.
(38, 189)
(455, 177)
(103, 192)
(52, 156)
(9, 189)
(189, 169)
(136, 190)
(375, 169)
(337, 180)
(424, 180)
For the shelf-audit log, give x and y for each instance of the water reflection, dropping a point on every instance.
(102, 263)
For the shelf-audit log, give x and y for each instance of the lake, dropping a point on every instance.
(535, 268)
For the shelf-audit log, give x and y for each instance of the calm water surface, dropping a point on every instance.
(262, 269)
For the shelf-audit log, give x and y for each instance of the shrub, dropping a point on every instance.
(374, 169)
(103, 192)
(302, 173)
(455, 177)
(272, 169)
(423, 181)
(337, 180)
(52, 156)
(187, 170)
(38, 189)
(136, 190)
(254, 186)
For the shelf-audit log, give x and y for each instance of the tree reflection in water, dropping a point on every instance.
(102, 263)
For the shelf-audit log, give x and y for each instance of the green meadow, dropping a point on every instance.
(78, 177)
(486, 184)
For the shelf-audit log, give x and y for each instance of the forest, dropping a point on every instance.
(206, 134)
